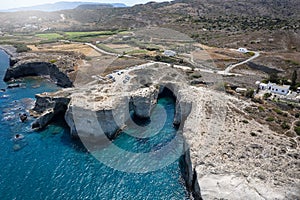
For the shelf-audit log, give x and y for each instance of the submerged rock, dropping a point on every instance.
(23, 117)
(15, 85)
(16, 147)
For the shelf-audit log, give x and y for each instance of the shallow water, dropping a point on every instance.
(49, 165)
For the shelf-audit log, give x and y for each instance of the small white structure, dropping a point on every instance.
(169, 53)
(274, 88)
(241, 90)
(298, 89)
(243, 50)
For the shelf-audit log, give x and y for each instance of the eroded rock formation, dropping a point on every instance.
(38, 69)
(219, 148)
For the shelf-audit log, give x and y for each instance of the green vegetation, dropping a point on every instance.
(294, 80)
(106, 48)
(270, 119)
(261, 109)
(250, 53)
(292, 62)
(250, 93)
(267, 95)
(21, 48)
(279, 112)
(53, 61)
(86, 36)
(297, 130)
(49, 36)
(137, 51)
(284, 125)
(196, 75)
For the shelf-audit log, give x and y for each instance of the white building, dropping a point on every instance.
(169, 53)
(240, 90)
(274, 88)
(243, 50)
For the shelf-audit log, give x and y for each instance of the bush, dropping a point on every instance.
(196, 75)
(250, 93)
(267, 95)
(21, 48)
(261, 109)
(257, 100)
(279, 112)
(270, 119)
(245, 121)
(297, 115)
(250, 53)
(53, 61)
(285, 114)
(253, 134)
(297, 130)
(284, 125)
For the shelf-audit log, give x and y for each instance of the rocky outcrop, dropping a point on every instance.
(91, 112)
(97, 112)
(92, 120)
(221, 157)
(190, 175)
(11, 52)
(143, 101)
(38, 69)
(47, 107)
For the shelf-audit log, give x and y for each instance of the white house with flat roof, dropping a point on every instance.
(274, 88)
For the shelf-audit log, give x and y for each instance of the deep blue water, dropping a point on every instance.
(50, 165)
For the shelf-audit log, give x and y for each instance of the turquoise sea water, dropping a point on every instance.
(49, 165)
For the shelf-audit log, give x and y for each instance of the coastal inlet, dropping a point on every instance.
(48, 164)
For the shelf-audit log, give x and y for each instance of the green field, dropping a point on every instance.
(137, 51)
(106, 48)
(49, 36)
(87, 34)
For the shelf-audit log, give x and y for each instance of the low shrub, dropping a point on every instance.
(267, 95)
(297, 130)
(245, 121)
(270, 119)
(284, 125)
(261, 109)
(21, 48)
(53, 61)
(279, 112)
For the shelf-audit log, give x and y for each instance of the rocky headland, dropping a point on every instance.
(227, 154)
(38, 69)
(57, 66)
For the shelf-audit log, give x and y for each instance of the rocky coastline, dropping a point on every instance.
(11, 52)
(214, 146)
(38, 69)
(99, 111)
(58, 67)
